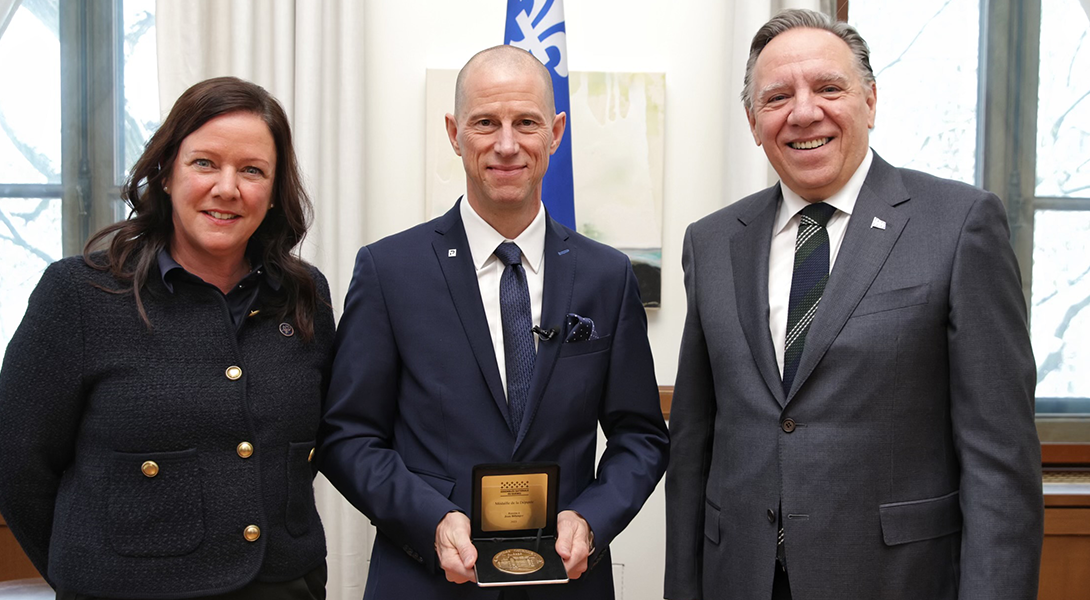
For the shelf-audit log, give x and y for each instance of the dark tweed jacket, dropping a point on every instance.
(88, 394)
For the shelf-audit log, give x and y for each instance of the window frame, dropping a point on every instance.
(91, 96)
(36, 191)
(1007, 146)
(90, 33)
(1011, 41)
(90, 36)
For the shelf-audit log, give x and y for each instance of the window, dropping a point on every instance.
(30, 154)
(1060, 296)
(78, 101)
(997, 93)
(917, 49)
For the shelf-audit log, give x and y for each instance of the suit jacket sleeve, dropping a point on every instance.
(992, 380)
(355, 439)
(631, 418)
(323, 321)
(692, 419)
(41, 404)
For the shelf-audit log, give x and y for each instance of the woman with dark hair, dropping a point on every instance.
(159, 401)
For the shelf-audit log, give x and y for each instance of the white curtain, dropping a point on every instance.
(309, 54)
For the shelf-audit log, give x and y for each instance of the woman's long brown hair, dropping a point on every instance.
(133, 245)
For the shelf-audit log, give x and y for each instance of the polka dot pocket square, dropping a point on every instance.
(580, 329)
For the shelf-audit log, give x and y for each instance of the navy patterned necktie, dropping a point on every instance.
(518, 340)
(807, 284)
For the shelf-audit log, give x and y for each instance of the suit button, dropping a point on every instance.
(233, 372)
(788, 425)
(251, 533)
(149, 468)
(771, 516)
(245, 449)
(310, 456)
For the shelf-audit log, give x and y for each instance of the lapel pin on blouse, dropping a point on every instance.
(287, 330)
(452, 253)
(877, 223)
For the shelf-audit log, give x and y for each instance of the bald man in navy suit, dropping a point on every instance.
(430, 377)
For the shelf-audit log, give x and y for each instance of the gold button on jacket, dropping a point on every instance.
(245, 449)
(127, 525)
(251, 533)
(234, 372)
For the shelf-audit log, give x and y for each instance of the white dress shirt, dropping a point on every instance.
(483, 241)
(781, 257)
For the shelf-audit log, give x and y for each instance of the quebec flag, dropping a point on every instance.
(538, 27)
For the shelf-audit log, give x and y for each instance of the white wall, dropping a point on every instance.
(711, 160)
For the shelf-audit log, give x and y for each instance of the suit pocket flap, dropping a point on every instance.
(155, 503)
(904, 522)
(711, 522)
(300, 512)
(892, 300)
(443, 485)
(577, 348)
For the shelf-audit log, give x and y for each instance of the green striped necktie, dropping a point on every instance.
(807, 284)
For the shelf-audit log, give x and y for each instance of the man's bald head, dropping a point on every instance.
(503, 57)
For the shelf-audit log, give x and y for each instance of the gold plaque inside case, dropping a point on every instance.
(512, 502)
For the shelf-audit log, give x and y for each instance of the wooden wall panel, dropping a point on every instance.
(1063, 455)
(1065, 561)
(13, 563)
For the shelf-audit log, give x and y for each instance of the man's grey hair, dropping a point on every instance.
(796, 18)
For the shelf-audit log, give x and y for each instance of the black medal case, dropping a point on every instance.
(514, 524)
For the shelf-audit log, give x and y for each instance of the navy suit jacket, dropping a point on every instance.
(416, 400)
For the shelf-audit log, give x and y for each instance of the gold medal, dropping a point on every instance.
(518, 561)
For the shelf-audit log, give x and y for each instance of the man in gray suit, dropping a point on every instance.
(853, 415)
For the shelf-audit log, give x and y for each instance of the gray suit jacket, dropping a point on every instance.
(912, 469)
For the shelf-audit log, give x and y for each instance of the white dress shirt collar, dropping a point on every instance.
(843, 200)
(484, 239)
